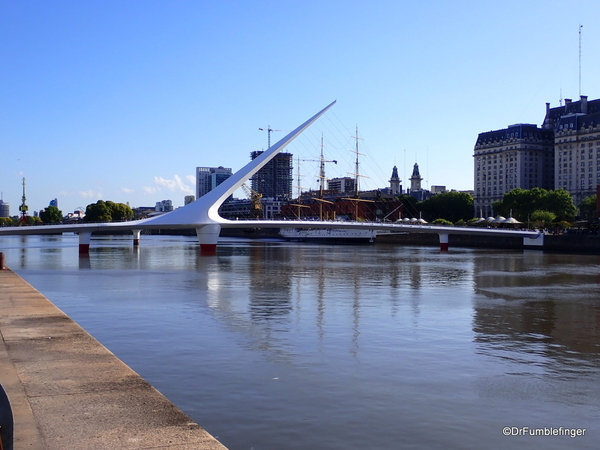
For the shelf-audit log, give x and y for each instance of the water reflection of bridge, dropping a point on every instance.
(204, 217)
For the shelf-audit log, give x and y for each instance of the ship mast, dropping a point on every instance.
(322, 171)
(356, 167)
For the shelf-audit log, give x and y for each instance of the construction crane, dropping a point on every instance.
(255, 200)
(269, 130)
(322, 172)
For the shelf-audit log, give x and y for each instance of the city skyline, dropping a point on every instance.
(122, 102)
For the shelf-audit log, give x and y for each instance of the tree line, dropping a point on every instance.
(536, 206)
(101, 211)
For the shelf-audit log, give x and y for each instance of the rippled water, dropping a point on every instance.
(273, 345)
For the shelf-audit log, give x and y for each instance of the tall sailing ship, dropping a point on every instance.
(331, 235)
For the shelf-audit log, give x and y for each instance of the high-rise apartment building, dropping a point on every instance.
(4, 209)
(274, 180)
(208, 178)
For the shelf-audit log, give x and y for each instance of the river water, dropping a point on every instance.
(274, 345)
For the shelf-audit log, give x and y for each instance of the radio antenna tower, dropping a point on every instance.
(580, 27)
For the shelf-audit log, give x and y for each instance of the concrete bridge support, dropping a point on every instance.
(443, 241)
(208, 235)
(85, 238)
(136, 237)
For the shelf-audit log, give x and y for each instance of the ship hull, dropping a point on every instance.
(329, 235)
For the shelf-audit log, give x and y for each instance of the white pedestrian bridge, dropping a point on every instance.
(203, 215)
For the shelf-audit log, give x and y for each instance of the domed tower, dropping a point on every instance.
(395, 188)
(415, 179)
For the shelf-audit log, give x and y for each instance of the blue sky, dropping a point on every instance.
(121, 100)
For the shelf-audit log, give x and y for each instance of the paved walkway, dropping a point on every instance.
(69, 392)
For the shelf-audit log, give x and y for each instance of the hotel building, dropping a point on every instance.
(564, 153)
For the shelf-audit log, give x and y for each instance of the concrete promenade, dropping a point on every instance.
(68, 391)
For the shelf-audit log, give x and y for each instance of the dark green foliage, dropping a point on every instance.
(108, 211)
(51, 215)
(6, 222)
(29, 220)
(120, 211)
(523, 202)
(98, 212)
(587, 208)
(452, 206)
(543, 219)
(411, 206)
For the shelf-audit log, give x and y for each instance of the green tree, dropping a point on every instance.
(6, 222)
(120, 211)
(452, 206)
(498, 208)
(98, 212)
(29, 220)
(442, 222)
(107, 211)
(523, 202)
(411, 206)
(587, 208)
(51, 215)
(560, 202)
(543, 219)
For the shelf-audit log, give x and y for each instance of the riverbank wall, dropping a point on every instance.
(68, 391)
(563, 243)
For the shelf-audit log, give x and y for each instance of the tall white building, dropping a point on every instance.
(576, 127)
(564, 153)
(208, 178)
(520, 156)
